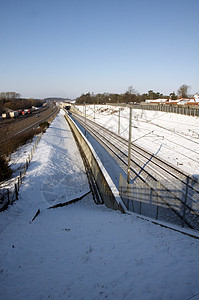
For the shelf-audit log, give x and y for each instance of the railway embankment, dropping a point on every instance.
(9, 189)
(108, 191)
(15, 132)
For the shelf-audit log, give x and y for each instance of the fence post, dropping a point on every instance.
(128, 193)
(16, 191)
(157, 206)
(151, 195)
(185, 201)
(142, 188)
(8, 196)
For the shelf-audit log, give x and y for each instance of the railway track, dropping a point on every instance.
(9, 130)
(177, 190)
(8, 188)
(13, 121)
(184, 144)
(91, 180)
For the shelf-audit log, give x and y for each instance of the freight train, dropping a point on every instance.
(16, 113)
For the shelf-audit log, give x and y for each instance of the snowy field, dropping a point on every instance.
(85, 251)
(171, 136)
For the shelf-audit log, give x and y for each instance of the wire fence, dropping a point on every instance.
(155, 202)
(11, 194)
(183, 110)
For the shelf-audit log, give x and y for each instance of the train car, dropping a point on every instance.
(26, 112)
(68, 107)
(14, 114)
(5, 115)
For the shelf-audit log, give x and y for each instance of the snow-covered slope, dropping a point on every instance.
(85, 251)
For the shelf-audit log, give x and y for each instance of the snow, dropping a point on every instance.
(173, 137)
(83, 250)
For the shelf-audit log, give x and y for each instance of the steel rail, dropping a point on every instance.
(145, 153)
(96, 134)
(32, 125)
(122, 140)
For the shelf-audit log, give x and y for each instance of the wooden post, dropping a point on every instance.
(16, 191)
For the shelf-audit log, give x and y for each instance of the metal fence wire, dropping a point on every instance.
(10, 195)
(176, 109)
(156, 203)
(183, 110)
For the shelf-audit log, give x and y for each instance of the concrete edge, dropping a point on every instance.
(101, 174)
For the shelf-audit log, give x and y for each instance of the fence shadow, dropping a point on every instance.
(179, 206)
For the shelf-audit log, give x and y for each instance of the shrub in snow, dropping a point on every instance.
(5, 170)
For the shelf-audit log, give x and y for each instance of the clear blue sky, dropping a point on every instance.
(68, 47)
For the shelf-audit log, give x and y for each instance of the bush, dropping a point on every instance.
(44, 125)
(12, 144)
(5, 170)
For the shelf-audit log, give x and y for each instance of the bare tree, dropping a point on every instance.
(131, 90)
(183, 91)
(9, 95)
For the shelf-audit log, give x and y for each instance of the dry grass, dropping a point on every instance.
(15, 142)
(12, 145)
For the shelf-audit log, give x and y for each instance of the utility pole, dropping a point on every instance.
(85, 116)
(94, 112)
(129, 149)
(119, 122)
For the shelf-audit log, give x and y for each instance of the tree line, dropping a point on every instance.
(130, 96)
(13, 101)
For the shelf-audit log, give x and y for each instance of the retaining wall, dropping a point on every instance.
(107, 188)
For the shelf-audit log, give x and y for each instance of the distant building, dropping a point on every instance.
(156, 100)
(182, 101)
(189, 101)
(196, 97)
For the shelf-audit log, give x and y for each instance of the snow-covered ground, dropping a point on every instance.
(171, 136)
(85, 251)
